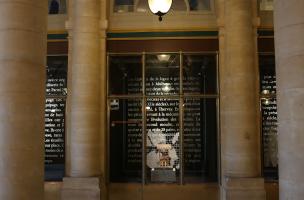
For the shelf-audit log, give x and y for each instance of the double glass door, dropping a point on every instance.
(162, 122)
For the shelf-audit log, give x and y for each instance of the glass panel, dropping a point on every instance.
(267, 74)
(54, 138)
(266, 4)
(162, 139)
(125, 140)
(269, 115)
(178, 5)
(269, 132)
(56, 82)
(57, 6)
(56, 91)
(162, 74)
(125, 74)
(142, 6)
(200, 140)
(162, 148)
(123, 6)
(197, 5)
(200, 74)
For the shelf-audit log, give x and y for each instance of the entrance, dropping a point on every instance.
(163, 125)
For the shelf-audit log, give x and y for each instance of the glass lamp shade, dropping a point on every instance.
(159, 7)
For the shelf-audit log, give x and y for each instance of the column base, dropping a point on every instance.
(80, 189)
(243, 188)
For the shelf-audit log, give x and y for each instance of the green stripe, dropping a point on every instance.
(265, 33)
(62, 36)
(163, 34)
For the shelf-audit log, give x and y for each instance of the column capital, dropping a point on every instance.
(256, 22)
(68, 25)
(103, 25)
(220, 22)
(221, 31)
(103, 29)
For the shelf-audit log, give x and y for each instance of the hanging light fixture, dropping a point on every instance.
(159, 7)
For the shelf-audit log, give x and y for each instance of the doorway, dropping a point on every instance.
(163, 125)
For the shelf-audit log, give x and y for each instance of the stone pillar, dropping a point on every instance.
(103, 99)
(23, 33)
(289, 48)
(239, 103)
(83, 139)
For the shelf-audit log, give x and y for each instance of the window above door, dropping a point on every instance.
(177, 5)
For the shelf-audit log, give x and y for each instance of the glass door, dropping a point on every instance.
(162, 123)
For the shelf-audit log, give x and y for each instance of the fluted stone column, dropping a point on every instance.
(23, 36)
(83, 145)
(239, 103)
(289, 47)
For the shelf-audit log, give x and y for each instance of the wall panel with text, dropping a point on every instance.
(56, 91)
(268, 108)
(163, 117)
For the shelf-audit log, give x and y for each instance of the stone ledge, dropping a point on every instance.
(80, 183)
(80, 189)
(243, 188)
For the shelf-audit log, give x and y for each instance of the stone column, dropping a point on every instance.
(103, 98)
(289, 47)
(23, 33)
(239, 103)
(83, 140)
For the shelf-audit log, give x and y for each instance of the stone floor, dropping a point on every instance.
(52, 190)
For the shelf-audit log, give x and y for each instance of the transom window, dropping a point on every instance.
(177, 5)
(57, 7)
(266, 5)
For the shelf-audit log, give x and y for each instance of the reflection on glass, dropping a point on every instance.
(162, 74)
(178, 5)
(269, 116)
(200, 74)
(125, 140)
(57, 6)
(125, 74)
(123, 6)
(200, 140)
(162, 151)
(267, 74)
(142, 6)
(269, 133)
(56, 70)
(54, 138)
(162, 145)
(266, 5)
(199, 5)
(56, 91)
